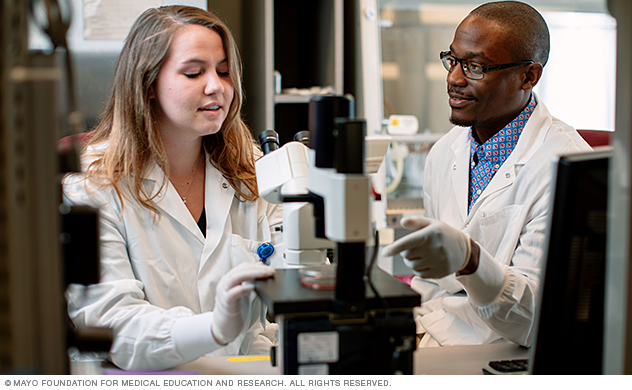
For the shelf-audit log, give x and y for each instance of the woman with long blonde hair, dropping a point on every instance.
(171, 169)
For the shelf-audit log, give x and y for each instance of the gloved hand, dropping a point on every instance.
(434, 250)
(231, 300)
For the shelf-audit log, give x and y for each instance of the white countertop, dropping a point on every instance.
(461, 360)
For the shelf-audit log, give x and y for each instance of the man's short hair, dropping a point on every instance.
(527, 31)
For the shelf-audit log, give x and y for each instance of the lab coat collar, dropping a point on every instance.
(217, 203)
(530, 140)
(534, 133)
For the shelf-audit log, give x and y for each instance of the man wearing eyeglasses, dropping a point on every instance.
(486, 185)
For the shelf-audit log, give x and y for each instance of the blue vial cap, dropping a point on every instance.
(264, 251)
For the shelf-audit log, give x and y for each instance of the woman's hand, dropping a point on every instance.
(231, 300)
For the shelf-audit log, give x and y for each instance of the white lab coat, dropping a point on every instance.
(508, 221)
(158, 275)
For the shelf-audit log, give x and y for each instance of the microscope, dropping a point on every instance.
(282, 177)
(346, 317)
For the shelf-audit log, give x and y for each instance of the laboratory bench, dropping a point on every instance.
(459, 360)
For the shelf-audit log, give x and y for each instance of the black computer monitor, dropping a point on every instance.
(569, 320)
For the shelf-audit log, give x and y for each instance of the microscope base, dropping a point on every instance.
(319, 335)
(319, 345)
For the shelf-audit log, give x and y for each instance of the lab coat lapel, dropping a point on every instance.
(170, 202)
(533, 135)
(503, 178)
(529, 142)
(461, 172)
(219, 197)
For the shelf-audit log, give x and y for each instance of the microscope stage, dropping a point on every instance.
(284, 294)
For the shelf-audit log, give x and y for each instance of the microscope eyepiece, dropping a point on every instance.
(303, 137)
(269, 141)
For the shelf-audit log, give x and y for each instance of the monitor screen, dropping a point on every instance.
(569, 322)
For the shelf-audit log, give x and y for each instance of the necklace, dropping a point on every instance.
(184, 198)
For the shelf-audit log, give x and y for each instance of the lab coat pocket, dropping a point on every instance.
(243, 250)
(499, 232)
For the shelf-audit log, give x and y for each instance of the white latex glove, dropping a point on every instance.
(434, 249)
(231, 300)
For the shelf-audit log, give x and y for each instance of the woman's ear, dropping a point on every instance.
(152, 95)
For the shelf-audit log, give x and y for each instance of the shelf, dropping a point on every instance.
(417, 138)
(302, 43)
(394, 216)
(287, 98)
(391, 212)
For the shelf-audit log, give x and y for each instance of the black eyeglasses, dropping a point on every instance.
(473, 69)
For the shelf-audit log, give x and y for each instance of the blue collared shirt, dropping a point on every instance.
(486, 158)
